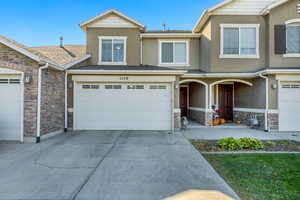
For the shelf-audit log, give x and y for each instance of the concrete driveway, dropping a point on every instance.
(106, 165)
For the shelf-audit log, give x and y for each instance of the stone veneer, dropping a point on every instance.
(245, 117)
(273, 121)
(11, 59)
(198, 116)
(177, 119)
(53, 101)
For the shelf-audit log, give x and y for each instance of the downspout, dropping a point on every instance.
(267, 101)
(141, 38)
(38, 126)
(66, 101)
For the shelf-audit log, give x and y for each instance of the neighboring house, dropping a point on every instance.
(32, 89)
(243, 56)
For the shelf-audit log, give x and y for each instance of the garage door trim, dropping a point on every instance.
(5, 72)
(147, 80)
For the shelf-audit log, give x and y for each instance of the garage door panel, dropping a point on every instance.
(123, 109)
(10, 111)
(289, 107)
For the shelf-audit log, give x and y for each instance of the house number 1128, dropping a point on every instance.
(124, 78)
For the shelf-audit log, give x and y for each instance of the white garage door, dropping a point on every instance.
(10, 109)
(122, 106)
(289, 107)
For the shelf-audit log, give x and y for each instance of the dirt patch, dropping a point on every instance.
(269, 145)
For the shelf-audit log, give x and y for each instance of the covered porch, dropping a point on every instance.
(238, 102)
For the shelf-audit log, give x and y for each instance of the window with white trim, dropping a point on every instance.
(112, 50)
(293, 38)
(173, 52)
(239, 41)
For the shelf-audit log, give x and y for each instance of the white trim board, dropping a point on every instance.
(255, 110)
(239, 26)
(124, 38)
(198, 109)
(187, 51)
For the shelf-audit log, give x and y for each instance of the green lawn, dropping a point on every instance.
(260, 176)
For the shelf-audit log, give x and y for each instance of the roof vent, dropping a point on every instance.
(164, 27)
(61, 39)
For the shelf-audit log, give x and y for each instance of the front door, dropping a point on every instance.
(183, 101)
(226, 101)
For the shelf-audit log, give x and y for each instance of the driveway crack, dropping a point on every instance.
(95, 169)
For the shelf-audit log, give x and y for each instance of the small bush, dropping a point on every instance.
(251, 144)
(231, 144)
(270, 144)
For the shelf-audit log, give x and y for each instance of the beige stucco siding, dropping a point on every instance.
(280, 15)
(133, 43)
(196, 95)
(246, 96)
(205, 46)
(273, 93)
(151, 52)
(235, 64)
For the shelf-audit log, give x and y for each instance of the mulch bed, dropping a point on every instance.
(269, 145)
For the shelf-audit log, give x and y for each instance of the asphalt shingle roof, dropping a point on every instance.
(62, 56)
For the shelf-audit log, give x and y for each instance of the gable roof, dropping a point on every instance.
(31, 53)
(111, 11)
(239, 8)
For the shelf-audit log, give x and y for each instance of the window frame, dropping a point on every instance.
(290, 23)
(186, 63)
(239, 26)
(100, 38)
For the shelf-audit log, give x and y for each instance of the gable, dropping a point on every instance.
(243, 7)
(113, 21)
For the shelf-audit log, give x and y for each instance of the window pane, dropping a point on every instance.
(180, 53)
(167, 52)
(231, 41)
(293, 39)
(248, 41)
(118, 50)
(106, 51)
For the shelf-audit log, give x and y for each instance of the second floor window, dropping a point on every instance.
(239, 41)
(293, 39)
(112, 50)
(173, 53)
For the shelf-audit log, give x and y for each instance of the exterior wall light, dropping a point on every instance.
(27, 78)
(274, 86)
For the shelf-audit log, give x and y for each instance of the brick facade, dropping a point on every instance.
(52, 101)
(13, 60)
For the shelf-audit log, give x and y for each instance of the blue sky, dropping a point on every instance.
(41, 22)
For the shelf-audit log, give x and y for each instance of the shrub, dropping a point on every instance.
(270, 144)
(251, 144)
(230, 144)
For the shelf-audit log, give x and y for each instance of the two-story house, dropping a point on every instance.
(242, 57)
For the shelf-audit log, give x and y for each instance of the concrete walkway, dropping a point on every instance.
(105, 166)
(218, 133)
